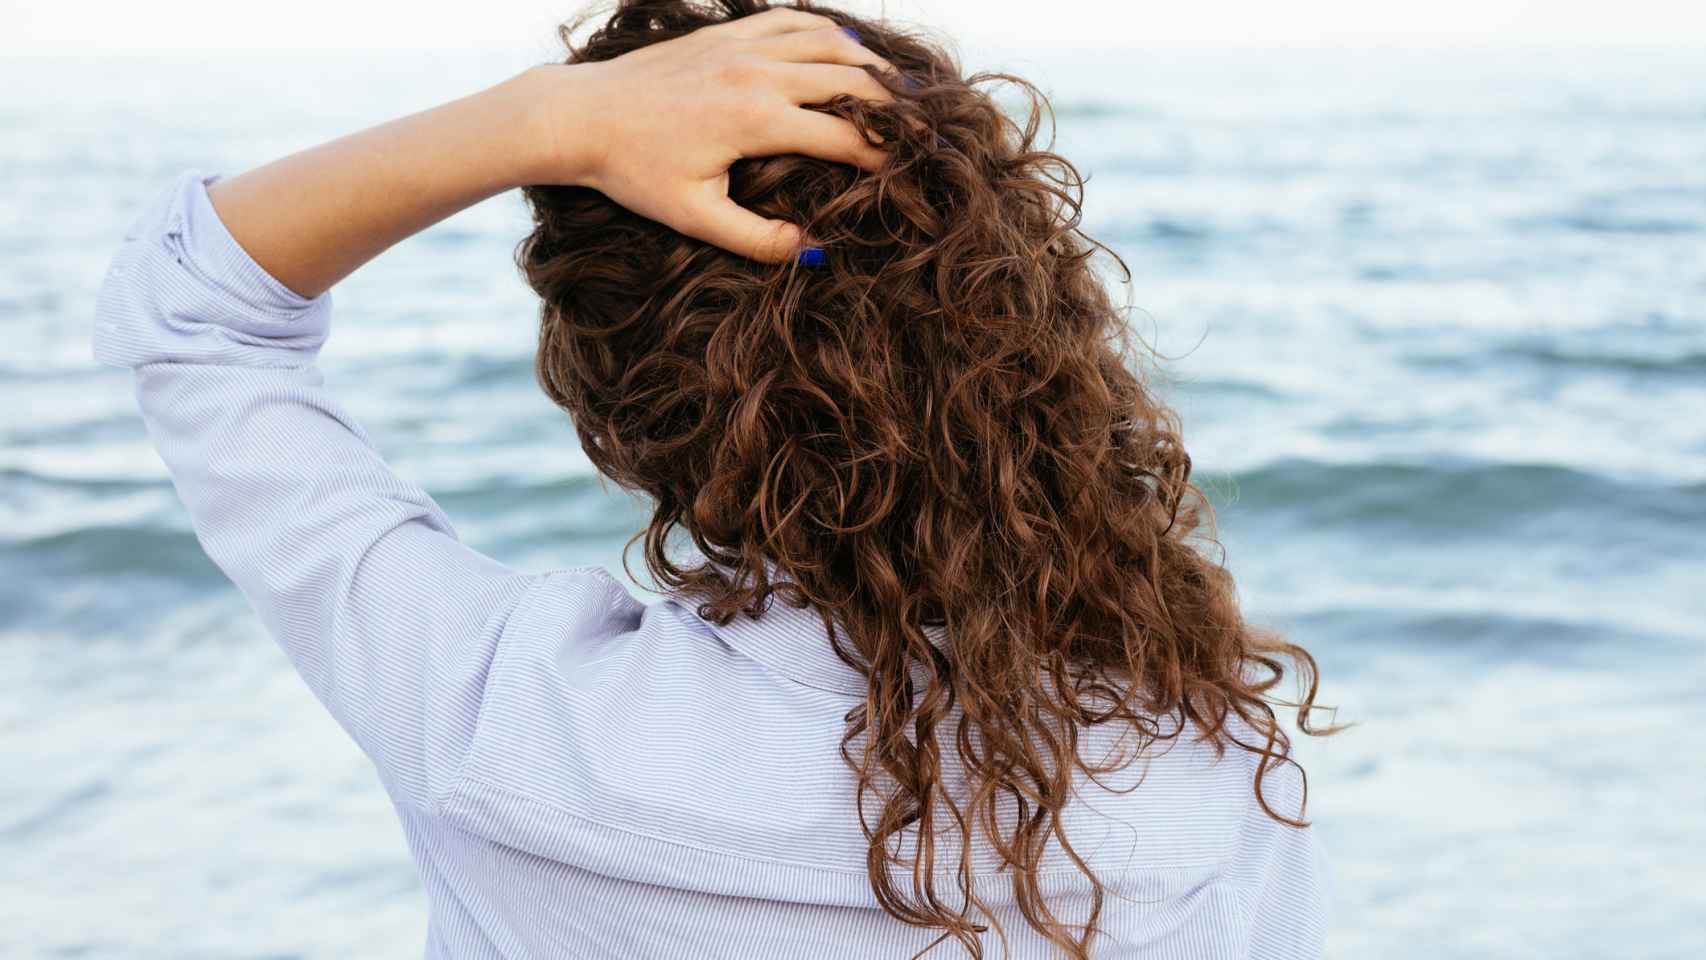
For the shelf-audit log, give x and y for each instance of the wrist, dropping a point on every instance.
(557, 143)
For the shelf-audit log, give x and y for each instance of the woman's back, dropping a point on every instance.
(675, 788)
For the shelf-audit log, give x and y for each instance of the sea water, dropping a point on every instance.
(1436, 325)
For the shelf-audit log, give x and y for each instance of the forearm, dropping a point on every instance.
(310, 219)
(655, 130)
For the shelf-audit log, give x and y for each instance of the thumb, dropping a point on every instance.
(729, 225)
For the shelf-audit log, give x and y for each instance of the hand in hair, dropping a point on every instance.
(671, 118)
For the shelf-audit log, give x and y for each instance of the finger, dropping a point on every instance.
(822, 82)
(770, 23)
(720, 221)
(830, 45)
(818, 135)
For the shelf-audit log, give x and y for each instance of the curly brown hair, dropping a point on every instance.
(938, 429)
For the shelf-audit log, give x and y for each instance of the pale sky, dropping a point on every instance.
(110, 26)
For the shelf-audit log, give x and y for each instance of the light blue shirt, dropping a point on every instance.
(579, 774)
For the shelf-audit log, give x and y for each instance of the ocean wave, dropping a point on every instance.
(1451, 499)
(1221, 388)
(1355, 636)
(479, 370)
(1094, 109)
(1600, 223)
(1687, 364)
(92, 431)
(21, 478)
(113, 549)
(1612, 223)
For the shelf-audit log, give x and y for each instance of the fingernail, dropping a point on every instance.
(853, 33)
(812, 257)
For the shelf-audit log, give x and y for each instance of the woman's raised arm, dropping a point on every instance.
(218, 300)
(655, 130)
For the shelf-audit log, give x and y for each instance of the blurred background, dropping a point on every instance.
(1432, 285)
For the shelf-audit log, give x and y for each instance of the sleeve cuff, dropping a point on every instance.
(211, 245)
(182, 289)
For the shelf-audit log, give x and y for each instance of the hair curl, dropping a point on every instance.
(938, 428)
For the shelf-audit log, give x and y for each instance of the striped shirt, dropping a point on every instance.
(583, 775)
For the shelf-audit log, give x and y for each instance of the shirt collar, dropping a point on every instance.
(795, 642)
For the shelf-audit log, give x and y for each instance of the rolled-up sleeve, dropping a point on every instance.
(356, 572)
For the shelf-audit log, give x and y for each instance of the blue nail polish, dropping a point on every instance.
(812, 257)
(909, 83)
(853, 33)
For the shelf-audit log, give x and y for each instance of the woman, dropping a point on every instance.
(933, 604)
